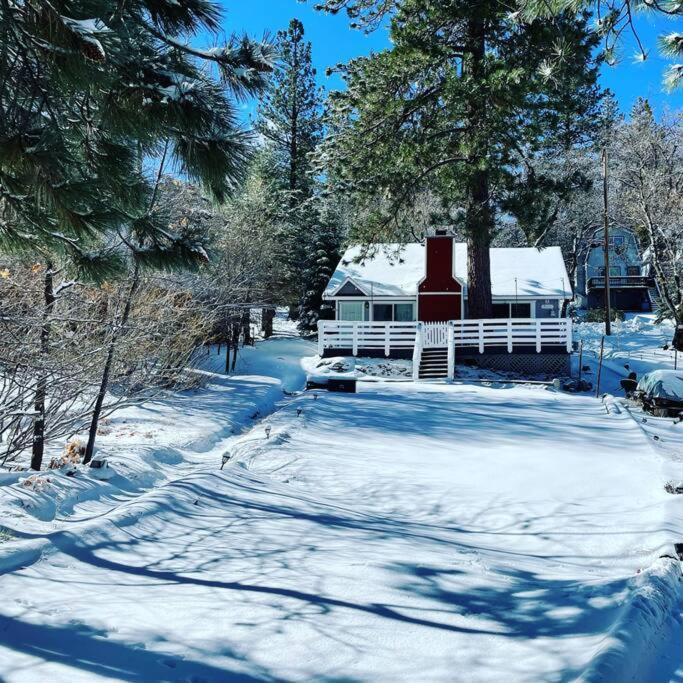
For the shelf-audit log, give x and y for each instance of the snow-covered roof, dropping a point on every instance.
(396, 270)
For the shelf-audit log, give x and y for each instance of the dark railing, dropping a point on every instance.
(621, 281)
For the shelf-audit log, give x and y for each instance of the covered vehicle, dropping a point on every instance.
(661, 392)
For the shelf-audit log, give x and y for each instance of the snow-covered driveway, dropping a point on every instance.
(409, 532)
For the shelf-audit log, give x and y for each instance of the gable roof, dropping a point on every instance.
(396, 270)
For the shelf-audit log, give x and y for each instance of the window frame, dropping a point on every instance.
(510, 304)
(364, 311)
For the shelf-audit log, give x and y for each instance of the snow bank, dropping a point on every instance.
(147, 445)
(638, 344)
(278, 357)
(640, 629)
(667, 384)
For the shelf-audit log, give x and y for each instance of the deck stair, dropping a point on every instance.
(434, 363)
(655, 298)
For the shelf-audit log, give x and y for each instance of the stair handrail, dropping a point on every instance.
(417, 350)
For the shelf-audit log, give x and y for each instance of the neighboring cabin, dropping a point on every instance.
(630, 284)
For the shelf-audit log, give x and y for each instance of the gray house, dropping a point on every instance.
(629, 282)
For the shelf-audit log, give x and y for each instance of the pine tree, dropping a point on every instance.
(614, 20)
(446, 109)
(90, 90)
(289, 119)
(290, 115)
(322, 258)
(88, 93)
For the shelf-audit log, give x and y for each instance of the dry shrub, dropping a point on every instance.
(37, 483)
(73, 455)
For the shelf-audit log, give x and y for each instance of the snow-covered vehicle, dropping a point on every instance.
(661, 392)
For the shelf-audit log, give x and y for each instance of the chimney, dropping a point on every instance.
(439, 264)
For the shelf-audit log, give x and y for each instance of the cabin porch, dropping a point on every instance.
(528, 346)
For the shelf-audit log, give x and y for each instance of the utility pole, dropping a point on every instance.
(608, 312)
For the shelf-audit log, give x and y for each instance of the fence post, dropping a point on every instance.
(387, 344)
(538, 336)
(321, 338)
(417, 350)
(354, 350)
(569, 335)
(509, 330)
(481, 336)
(602, 349)
(451, 350)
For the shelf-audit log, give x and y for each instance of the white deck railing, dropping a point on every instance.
(343, 334)
(472, 334)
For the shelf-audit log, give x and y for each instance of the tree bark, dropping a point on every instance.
(38, 445)
(106, 372)
(235, 344)
(479, 220)
(267, 315)
(245, 322)
(479, 303)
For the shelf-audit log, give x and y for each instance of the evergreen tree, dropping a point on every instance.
(88, 92)
(558, 140)
(446, 109)
(614, 20)
(322, 258)
(290, 116)
(290, 121)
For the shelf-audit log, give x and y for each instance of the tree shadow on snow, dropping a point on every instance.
(266, 532)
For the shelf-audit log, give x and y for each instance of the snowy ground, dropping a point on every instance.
(636, 345)
(426, 532)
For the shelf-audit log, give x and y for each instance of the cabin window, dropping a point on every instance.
(353, 310)
(404, 312)
(520, 310)
(501, 310)
(633, 270)
(512, 310)
(614, 271)
(383, 312)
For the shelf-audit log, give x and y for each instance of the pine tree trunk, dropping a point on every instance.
(479, 220)
(246, 326)
(479, 303)
(294, 136)
(267, 315)
(235, 344)
(38, 445)
(106, 372)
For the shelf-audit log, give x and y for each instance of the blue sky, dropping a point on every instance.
(333, 42)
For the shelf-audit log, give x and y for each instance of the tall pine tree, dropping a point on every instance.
(445, 110)
(290, 121)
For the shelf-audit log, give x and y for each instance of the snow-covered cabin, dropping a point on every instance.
(410, 301)
(428, 282)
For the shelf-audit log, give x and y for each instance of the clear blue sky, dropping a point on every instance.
(333, 42)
